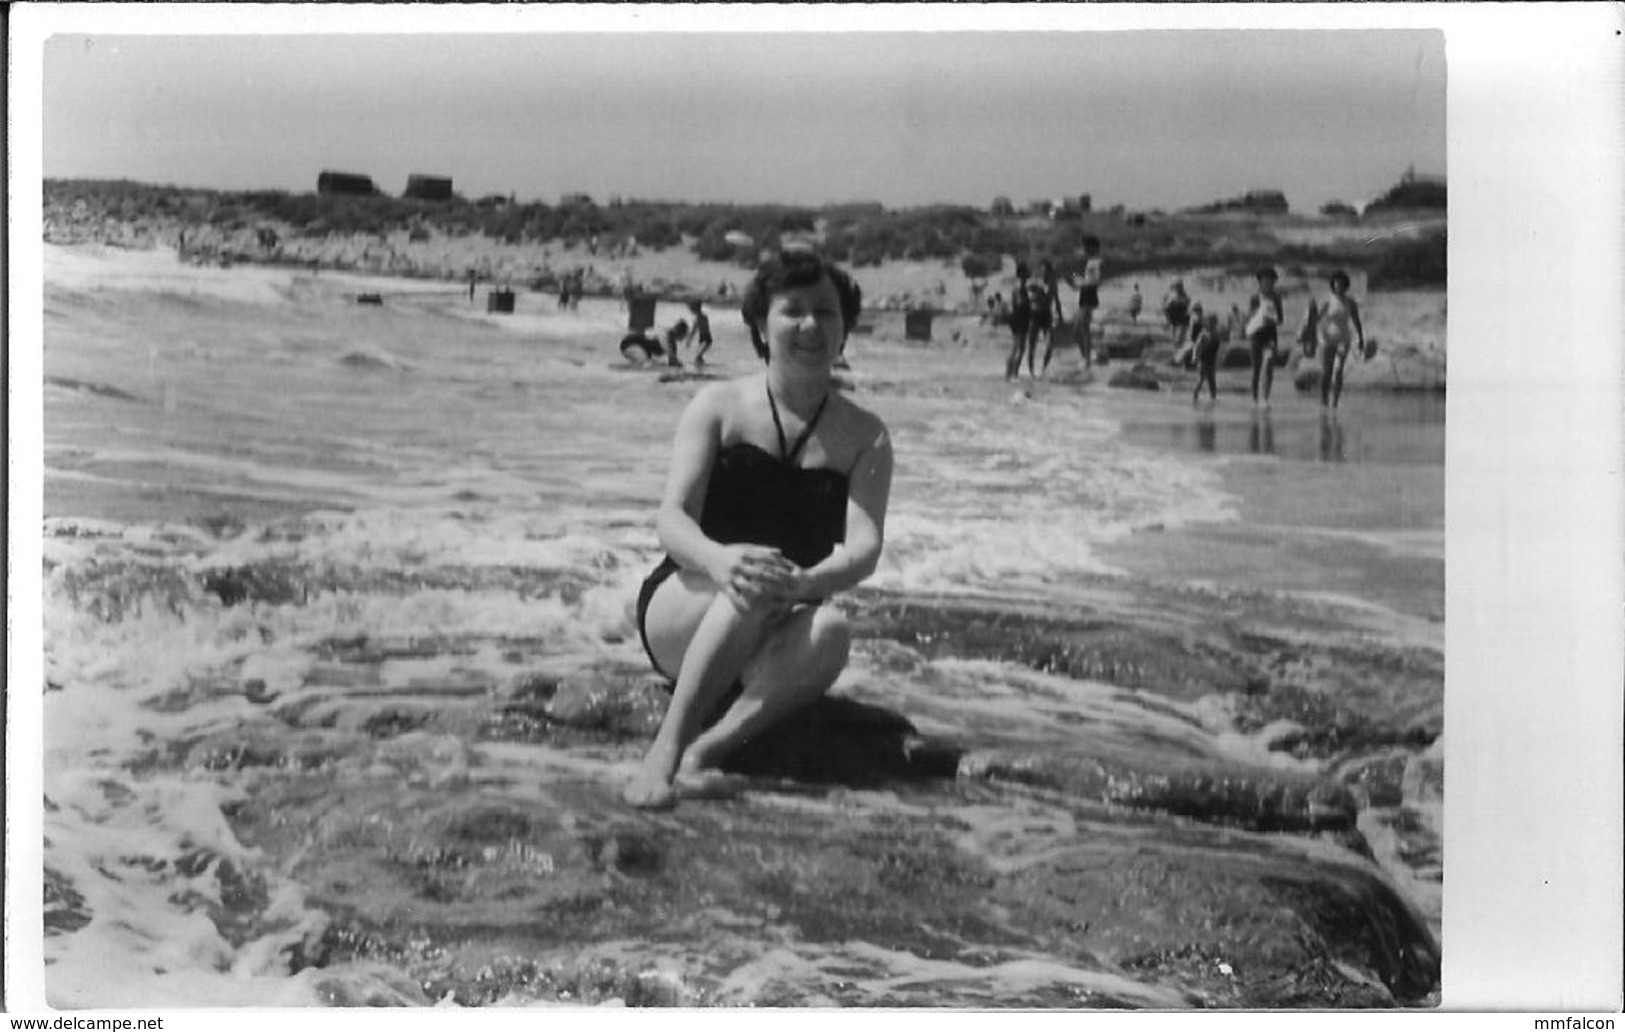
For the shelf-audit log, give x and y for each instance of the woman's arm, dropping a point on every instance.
(694, 450)
(853, 560)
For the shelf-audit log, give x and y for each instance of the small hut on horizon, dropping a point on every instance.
(420, 187)
(348, 183)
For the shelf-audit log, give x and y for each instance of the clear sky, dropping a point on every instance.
(1143, 118)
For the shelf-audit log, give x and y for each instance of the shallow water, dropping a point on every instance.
(1372, 428)
(341, 687)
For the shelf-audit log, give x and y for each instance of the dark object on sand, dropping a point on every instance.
(1132, 348)
(1138, 378)
(641, 313)
(369, 299)
(499, 301)
(917, 325)
(846, 742)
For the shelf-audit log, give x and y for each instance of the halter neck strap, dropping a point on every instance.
(806, 432)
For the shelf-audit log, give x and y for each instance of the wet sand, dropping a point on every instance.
(1349, 504)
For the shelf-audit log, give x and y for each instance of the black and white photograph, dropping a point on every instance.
(618, 509)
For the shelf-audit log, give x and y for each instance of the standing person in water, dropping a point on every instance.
(699, 331)
(1206, 347)
(1020, 320)
(775, 501)
(1264, 318)
(1338, 329)
(1135, 303)
(1088, 301)
(1176, 309)
(1235, 323)
(1045, 300)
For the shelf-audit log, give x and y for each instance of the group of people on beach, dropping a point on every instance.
(572, 285)
(1035, 312)
(1331, 330)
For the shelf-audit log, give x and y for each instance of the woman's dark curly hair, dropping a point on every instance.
(1339, 275)
(795, 269)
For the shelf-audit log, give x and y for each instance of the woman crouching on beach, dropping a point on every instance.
(776, 500)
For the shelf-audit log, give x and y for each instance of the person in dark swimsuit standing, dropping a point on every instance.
(1045, 304)
(776, 499)
(1020, 321)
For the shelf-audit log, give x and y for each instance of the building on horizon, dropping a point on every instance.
(346, 183)
(422, 187)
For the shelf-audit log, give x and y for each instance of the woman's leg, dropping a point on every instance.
(1260, 356)
(1269, 368)
(797, 663)
(785, 661)
(1337, 383)
(1086, 341)
(692, 629)
(1328, 367)
(1012, 367)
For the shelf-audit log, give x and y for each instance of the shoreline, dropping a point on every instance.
(1409, 325)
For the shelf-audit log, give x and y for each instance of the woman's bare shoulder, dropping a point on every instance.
(865, 427)
(721, 396)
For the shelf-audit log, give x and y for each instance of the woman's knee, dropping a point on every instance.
(831, 634)
(818, 643)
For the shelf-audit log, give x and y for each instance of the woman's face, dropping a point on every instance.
(804, 326)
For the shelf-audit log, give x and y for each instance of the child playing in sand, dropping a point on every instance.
(1337, 330)
(638, 347)
(1207, 357)
(674, 337)
(699, 332)
(1264, 317)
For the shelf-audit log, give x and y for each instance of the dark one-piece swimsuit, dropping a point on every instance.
(757, 498)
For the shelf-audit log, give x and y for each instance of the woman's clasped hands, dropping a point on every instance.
(754, 577)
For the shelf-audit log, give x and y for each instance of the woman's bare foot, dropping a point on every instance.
(651, 787)
(649, 791)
